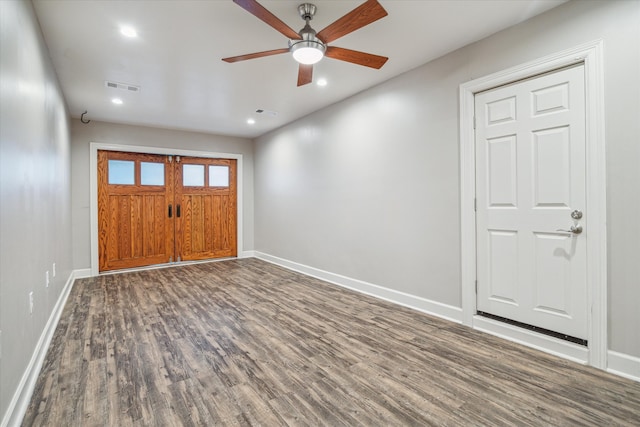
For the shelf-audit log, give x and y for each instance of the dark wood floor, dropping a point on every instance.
(244, 342)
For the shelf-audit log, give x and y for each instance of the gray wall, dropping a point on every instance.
(34, 191)
(109, 133)
(369, 188)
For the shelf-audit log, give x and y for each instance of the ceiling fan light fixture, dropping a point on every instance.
(308, 52)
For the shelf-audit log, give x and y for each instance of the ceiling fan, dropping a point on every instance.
(309, 47)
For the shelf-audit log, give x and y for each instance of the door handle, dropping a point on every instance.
(170, 211)
(178, 212)
(575, 229)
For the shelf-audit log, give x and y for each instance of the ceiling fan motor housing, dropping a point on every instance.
(308, 39)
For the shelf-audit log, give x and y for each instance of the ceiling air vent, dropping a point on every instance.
(122, 86)
(267, 112)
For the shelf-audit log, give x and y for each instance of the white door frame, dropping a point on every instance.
(93, 185)
(591, 55)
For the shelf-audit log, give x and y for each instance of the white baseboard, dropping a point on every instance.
(247, 254)
(555, 346)
(82, 273)
(624, 365)
(424, 305)
(22, 396)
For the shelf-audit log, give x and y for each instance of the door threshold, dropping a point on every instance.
(166, 265)
(537, 329)
(548, 344)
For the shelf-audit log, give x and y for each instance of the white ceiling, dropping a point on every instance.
(176, 58)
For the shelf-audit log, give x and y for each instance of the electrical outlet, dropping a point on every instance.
(53, 269)
(46, 278)
(31, 302)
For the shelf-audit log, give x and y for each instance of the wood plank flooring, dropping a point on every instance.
(244, 342)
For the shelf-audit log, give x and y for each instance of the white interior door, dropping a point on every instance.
(530, 166)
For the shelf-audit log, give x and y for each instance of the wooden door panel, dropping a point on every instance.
(134, 227)
(218, 223)
(154, 231)
(185, 228)
(197, 224)
(223, 222)
(207, 225)
(137, 231)
(124, 236)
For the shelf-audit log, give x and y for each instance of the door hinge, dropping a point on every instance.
(170, 158)
(474, 122)
(178, 259)
(170, 259)
(476, 286)
(177, 159)
(475, 204)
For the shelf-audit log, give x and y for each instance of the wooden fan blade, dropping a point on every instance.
(356, 57)
(368, 12)
(305, 74)
(255, 55)
(259, 11)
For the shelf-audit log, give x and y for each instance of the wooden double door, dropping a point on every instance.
(156, 209)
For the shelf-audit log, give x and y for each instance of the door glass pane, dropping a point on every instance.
(121, 172)
(151, 173)
(193, 175)
(218, 176)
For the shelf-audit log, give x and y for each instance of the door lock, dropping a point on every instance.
(576, 214)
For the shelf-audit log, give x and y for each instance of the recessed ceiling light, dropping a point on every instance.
(322, 82)
(128, 32)
(251, 121)
(117, 101)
